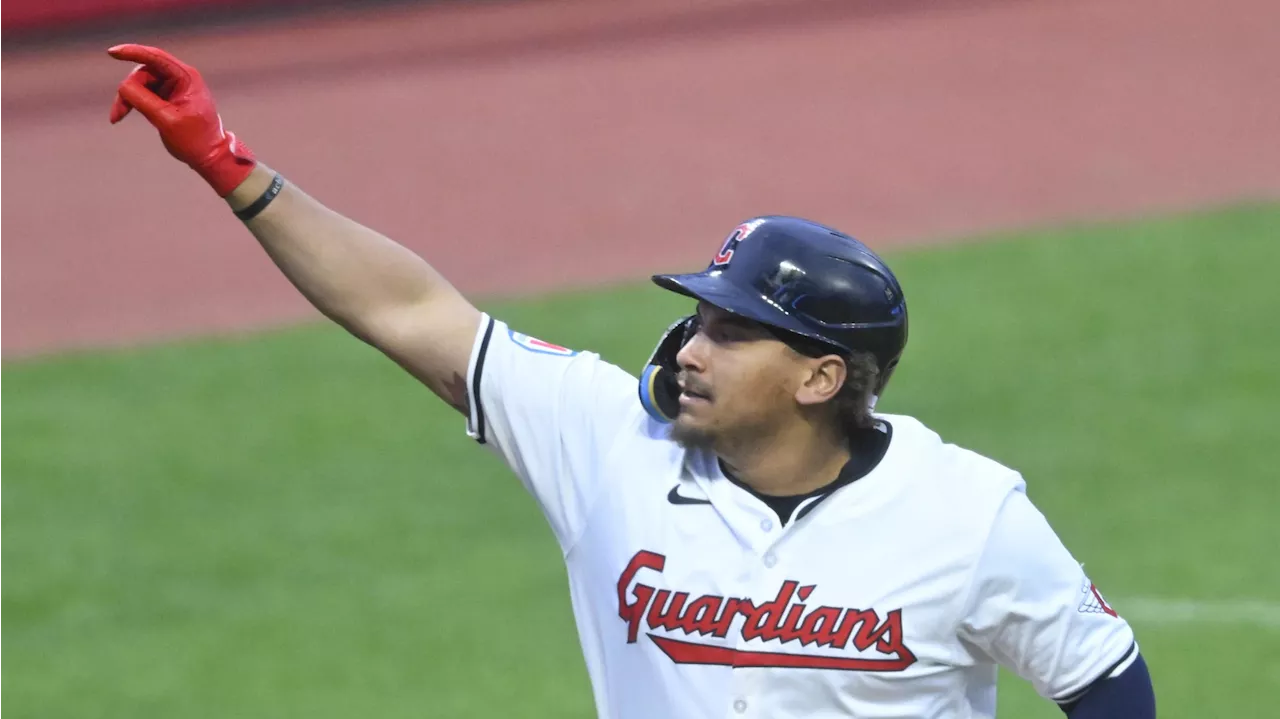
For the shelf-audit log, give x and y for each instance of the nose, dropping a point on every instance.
(692, 356)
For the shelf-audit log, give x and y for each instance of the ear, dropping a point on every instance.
(823, 381)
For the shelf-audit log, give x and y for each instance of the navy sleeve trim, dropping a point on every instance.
(1101, 677)
(475, 382)
(1127, 695)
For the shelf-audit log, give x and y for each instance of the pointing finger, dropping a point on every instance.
(158, 61)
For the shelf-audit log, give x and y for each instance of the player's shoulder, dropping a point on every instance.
(613, 389)
(950, 496)
(522, 350)
(538, 380)
(496, 333)
(949, 467)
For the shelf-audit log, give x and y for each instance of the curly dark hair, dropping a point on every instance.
(853, 401)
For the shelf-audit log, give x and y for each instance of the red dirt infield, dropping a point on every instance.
(526, 146)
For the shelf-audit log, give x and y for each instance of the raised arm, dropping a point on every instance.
(373, 287)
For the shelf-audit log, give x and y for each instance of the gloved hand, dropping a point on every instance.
(173, 98)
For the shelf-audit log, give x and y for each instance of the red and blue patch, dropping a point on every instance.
(533, 344)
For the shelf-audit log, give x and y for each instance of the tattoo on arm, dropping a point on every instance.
(455, 393)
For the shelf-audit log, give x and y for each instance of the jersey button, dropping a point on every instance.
(770, 560)
(740, 706)
(766, 524)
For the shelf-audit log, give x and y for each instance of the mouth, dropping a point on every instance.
(688, 398)
(693, 395)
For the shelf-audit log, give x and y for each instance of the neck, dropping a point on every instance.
(794, 460)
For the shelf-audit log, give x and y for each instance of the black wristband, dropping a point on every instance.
(260, 204)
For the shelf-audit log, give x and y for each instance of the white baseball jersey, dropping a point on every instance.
(897, 595)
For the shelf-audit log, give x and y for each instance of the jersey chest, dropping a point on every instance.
(699, 579)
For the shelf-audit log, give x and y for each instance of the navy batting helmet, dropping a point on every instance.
(795, 276)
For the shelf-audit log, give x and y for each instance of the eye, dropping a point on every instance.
(729, 332)
(734, 332)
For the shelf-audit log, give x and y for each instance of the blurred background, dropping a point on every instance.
(218, 504)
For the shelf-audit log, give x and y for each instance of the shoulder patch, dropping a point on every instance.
(1092, 602)
(533, 344)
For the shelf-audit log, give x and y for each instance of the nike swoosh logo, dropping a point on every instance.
(675, 497)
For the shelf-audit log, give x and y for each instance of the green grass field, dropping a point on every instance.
(287, 525)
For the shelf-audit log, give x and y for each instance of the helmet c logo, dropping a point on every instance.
(731, 242)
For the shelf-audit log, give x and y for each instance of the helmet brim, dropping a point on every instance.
(714, 289)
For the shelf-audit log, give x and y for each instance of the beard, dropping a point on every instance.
(692, 438)
(744, 432)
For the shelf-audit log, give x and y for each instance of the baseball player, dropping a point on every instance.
(744, 535)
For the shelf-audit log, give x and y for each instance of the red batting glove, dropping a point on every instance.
(173, 98)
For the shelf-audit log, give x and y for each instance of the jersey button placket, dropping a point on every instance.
(762, 584)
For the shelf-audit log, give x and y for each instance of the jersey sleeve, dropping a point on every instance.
(552, 414)
(1033, 609)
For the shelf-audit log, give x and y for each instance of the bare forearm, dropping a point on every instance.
(378, 290)
(352, 274)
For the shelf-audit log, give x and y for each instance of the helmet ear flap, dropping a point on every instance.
(659, 389)
(673, 339)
